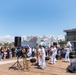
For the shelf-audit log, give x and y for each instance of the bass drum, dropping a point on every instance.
(47, 58)
(32, 60)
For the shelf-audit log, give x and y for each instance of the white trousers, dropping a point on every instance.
(67, 57)
(41, 62)
(53, 58)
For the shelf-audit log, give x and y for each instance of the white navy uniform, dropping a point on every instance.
(41, 61)
(53, 57)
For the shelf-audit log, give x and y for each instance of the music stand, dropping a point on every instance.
(16, 63)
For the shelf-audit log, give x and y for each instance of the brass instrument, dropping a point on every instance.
(39, 55)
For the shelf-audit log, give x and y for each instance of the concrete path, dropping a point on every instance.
(2, 62)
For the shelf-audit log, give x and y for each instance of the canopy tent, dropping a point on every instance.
(68, 44)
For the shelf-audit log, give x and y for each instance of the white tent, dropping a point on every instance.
(68, 44)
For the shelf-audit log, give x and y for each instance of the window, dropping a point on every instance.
(70, 33)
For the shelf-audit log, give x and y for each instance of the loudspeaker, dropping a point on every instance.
(54, 43)
(17, 42)
(71, 69)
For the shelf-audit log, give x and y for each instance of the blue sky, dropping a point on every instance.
(37, 17)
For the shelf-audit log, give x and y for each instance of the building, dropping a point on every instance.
(71, 36)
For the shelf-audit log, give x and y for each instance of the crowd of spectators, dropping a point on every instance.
(6, 53)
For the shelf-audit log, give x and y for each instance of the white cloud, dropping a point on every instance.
(7, 38)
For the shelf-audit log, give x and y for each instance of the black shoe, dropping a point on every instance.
(39, 67)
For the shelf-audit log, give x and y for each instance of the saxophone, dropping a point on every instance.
(40, 55)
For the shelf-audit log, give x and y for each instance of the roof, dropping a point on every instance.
(70, 30)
